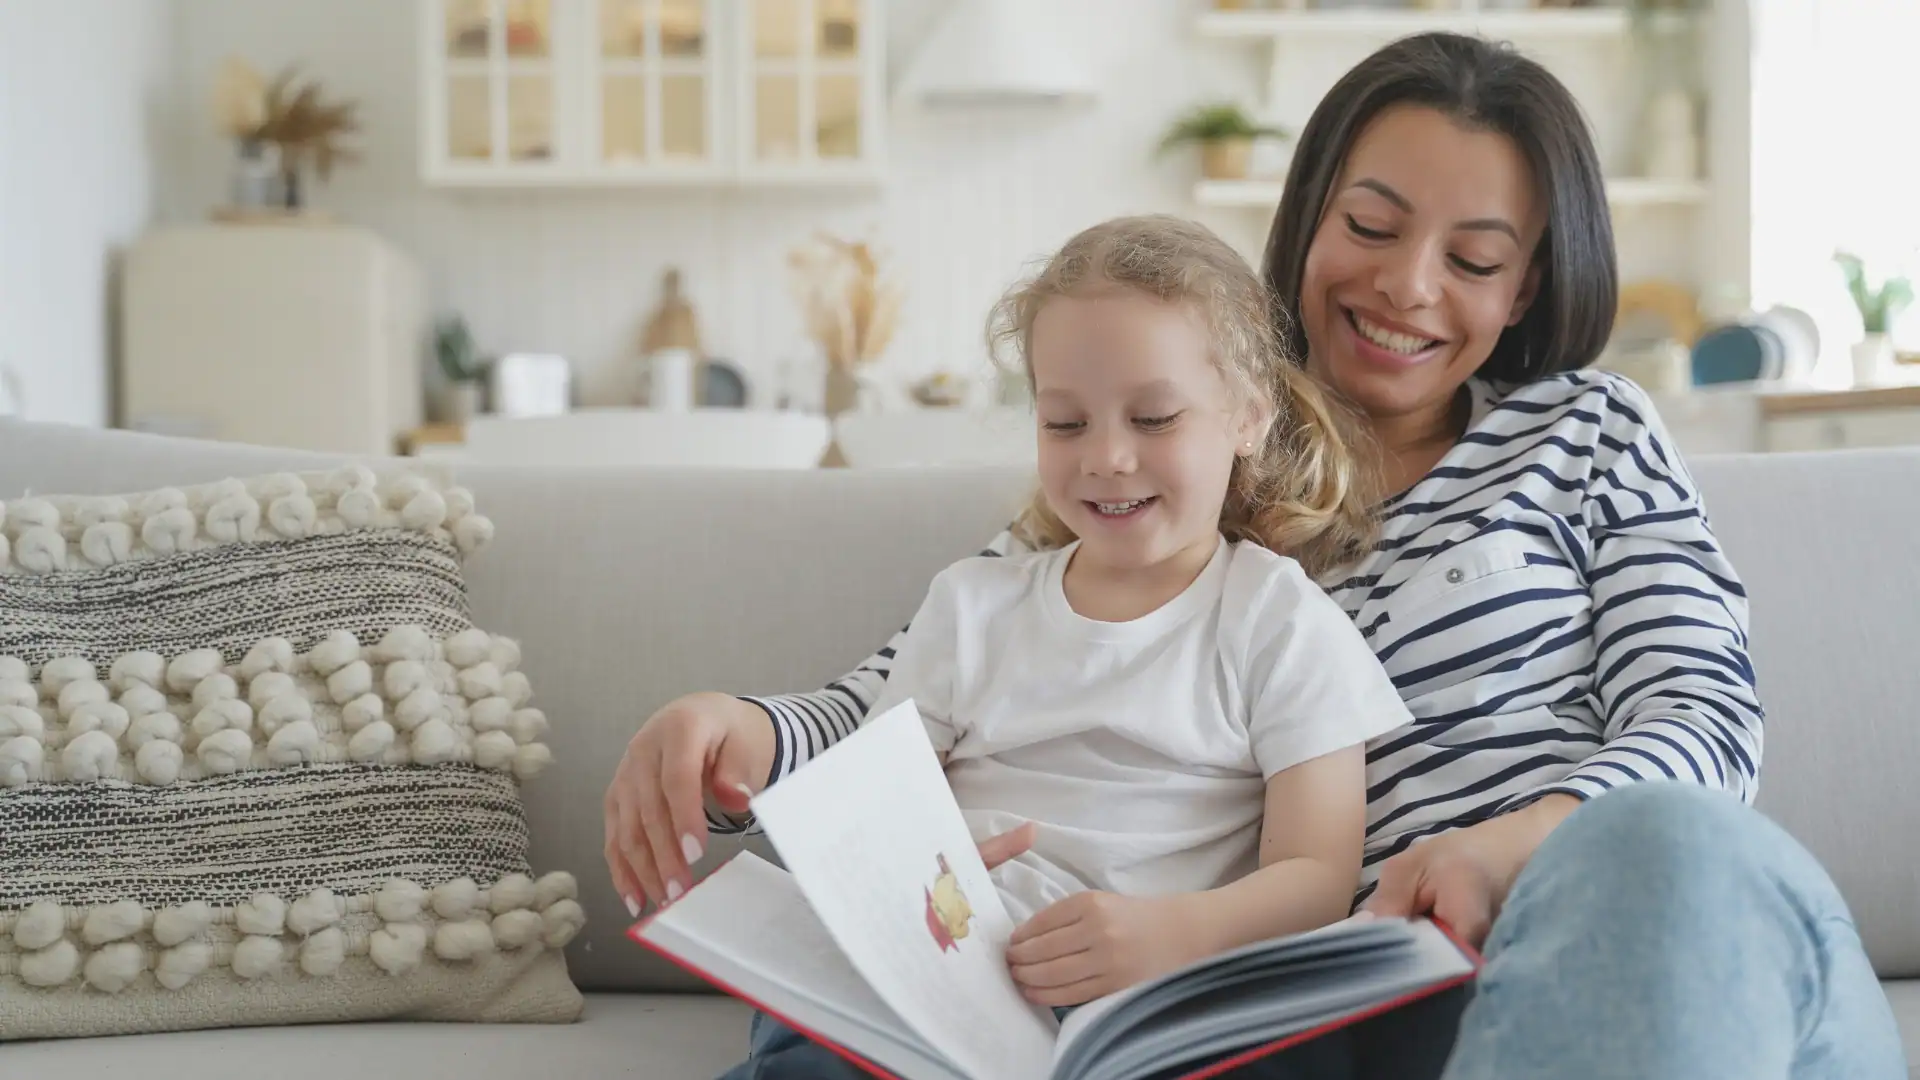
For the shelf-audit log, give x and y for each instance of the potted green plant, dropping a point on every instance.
(1225, 134)
(461, 368)
(1878, 305)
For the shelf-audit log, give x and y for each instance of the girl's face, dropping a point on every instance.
(1137, 429)
(1422, 257)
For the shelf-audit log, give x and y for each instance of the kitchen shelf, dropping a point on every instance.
(1604, 22)
(1621, 193)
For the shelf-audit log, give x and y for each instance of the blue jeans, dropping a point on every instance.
(1663, 930)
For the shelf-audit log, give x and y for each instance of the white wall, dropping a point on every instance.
(83, 95)
(972, 197)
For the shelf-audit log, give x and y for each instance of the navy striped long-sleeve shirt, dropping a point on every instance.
(1550, 602)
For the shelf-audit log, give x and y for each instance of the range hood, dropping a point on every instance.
(998, 52)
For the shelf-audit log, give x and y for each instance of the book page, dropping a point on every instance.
(870, 832)
(747, 928)
(1258, 995)
(1362, 930)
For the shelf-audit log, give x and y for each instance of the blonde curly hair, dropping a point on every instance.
(1309, 490)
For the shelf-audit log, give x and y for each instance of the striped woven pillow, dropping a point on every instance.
(258, 765)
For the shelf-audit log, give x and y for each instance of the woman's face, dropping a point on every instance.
(1423, 256)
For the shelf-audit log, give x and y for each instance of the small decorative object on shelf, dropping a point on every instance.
(670, 346)
(1879, 304)
(530, 384)
(1225, 134)
(850, 306)
(462, 370)
(279, 127)
(673, 324)
(723, 385)
(941, 390)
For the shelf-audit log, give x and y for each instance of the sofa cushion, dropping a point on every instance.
(259, 766)
(673, 1037)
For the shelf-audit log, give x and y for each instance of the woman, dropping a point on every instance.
(1547, 597)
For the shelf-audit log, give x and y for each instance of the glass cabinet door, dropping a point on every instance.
(499, 74)
(650, 91)
(808, 69)
(654, 84)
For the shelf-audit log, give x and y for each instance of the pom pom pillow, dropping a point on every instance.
(258, 766)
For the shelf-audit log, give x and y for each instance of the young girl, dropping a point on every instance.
(1159, 687)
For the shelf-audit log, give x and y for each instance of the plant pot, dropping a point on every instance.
(1872, 357)
(457, 402)
(1226, 159)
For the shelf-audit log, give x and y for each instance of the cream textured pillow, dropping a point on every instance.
(258, 766)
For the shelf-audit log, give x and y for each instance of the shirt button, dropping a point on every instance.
(1455, 576)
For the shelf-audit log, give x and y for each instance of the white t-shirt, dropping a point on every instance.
(1140, 749)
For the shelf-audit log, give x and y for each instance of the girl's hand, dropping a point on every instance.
(711, 745)
(1461, 878)
(1000, 847)
(1096, 943)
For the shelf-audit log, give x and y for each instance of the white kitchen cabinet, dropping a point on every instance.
(810, 93)
(528, 93)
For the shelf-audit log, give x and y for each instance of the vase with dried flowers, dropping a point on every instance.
(851, 307)
(281, 126)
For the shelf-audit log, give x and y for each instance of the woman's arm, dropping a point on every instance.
(806, 724)
(1675, 684)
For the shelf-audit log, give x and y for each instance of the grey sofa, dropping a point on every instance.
(628, 588)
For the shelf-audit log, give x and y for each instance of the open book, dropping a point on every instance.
(883, 938)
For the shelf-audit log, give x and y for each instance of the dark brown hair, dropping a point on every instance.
(1308, 490)
(1488, 87)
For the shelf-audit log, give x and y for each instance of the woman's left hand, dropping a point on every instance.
(1461, 878)
(1096, 943)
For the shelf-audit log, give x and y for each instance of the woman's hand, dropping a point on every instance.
(711, 745)
(1461, 878)
(1096, 943)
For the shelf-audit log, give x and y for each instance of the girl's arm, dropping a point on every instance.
(806, 724)
(1310, 847)
(1316, 695)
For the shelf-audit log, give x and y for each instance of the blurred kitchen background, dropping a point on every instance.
(767, 232)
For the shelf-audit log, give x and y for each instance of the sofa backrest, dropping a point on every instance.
(629, 588)
(1825, 544)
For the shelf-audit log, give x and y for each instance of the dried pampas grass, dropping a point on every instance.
(850, 306)
(249, 108)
